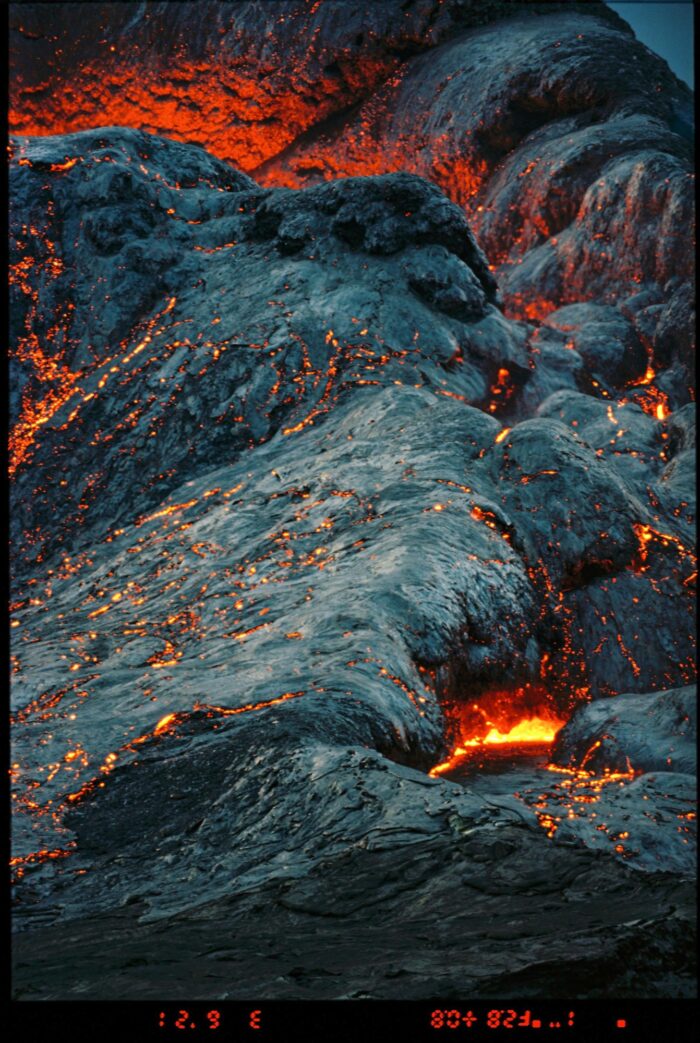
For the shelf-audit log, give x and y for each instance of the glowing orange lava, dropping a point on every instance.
(528, 730)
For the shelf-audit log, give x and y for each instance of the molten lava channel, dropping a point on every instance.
(537, 730)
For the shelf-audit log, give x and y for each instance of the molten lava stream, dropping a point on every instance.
(532, 733)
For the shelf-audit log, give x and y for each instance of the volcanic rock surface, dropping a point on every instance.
(242, 79)
(568, 143)
(291, 491)
(656, 732)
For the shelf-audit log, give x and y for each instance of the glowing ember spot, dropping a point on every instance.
(549, 824)
(652, 400)
(242, 635)
(580, 787)
(163, 723)
(34, 416)
(501, 391)
(536, 310)
(489, 519)
(57, 167)
(647, 536)
(167, 510)
(450, 394)
(232, 711)
(502, 434)
(20, 862)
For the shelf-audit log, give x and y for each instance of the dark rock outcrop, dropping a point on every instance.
(654, 732)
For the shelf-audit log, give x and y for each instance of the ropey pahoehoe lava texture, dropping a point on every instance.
(344, 449)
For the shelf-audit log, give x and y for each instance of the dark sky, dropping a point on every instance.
(665, 27)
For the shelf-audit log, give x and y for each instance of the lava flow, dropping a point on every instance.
(500, 720)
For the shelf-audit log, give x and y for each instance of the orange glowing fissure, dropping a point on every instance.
(528, 730)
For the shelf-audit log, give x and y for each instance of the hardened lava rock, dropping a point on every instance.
(298, 465)
(655, 732)
(568, 143)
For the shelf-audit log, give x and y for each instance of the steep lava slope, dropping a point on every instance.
(568, 143)
(243, 79)
(260, 537)
(296, 510)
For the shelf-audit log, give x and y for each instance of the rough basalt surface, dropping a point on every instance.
(289, 486)
(655, 732)
(242, 79)
(568, 143)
